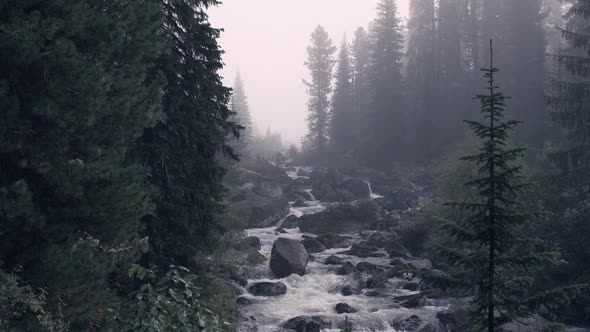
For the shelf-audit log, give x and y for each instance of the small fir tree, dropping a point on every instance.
(496, 258)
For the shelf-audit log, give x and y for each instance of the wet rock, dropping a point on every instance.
(268, 289)
(376, 282)
(240, 280)
(409, 324)
(331, 240)
(288, 257)
(395, 249)
(302, 172)
(333, 260)
(382, 239)
(346, 269)
(290, 222)
(364, 250)
(369, 267)
(421, 264)
(344, 308)
(243, 301)
(412, 286)
(258, 211)
(313, 246)
(399, 262)
(298, 195)
(411, 301)
(308, 323)
(373, 293)
(252, 242)
(341, 219)
(349, 290)
(280, 230)
(356, 187)
(299, 204)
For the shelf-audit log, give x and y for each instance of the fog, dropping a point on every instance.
(266, 41)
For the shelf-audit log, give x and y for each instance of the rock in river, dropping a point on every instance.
(268, 289)
(313, 246)
(341, 219)
(288, 257)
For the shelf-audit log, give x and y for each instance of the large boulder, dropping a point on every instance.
(364, 250)
(308, 323)
(399, 199)
(341, 219)
(410, 324)
(381, 239)
(347, 268)
(258, 211)
(290, 222)
(344, 308)
(288, 257)
(357, 187)
(313, 246)
(268, 289)
(331, 240)
(420, 264)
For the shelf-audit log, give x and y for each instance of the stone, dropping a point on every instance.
(344, 308)
(313, 246)
(332, 240)
(409, 324)
(341, 219)
(290, 222)
(308, 323)
(356, 187)
(382, 239)
(349, 290)
(346, 269)
(412, 286)
(268, 289)
(420, 264)
(280, 230)
(243, 301)
(288, 257)
(333, 260)
(253, 242)
(369, 267)
(411, 301)
(299, 204)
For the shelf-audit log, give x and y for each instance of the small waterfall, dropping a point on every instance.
(371, 193)
(311, 195)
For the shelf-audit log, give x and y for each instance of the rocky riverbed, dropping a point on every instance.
(353, 271)
(332, 255)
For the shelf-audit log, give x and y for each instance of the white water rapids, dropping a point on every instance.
(318, 292)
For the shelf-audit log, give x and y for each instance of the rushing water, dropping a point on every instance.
(318, 292)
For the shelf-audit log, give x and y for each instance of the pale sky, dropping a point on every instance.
(267, 39)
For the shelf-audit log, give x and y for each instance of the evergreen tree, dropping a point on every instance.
(239, 106)
(421, 76)
(183, 151)
(387, 115)
(77, 87)
(320, 63)
(361, 57)
(343, 126)
(523, 59)
(487, 244)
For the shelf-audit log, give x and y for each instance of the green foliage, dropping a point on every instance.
(344, 121)
(496, 257)
(169, 303)
(183, 152)
(78, 86)
(346, 327)
(23, 308)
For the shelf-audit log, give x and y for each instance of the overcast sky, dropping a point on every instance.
(266, 41)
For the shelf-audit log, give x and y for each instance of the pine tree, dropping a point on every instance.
(239, 106)
(343, 125)
(77, 87)
(387, 115)
(183, 151)
(361, 57)
(320, 63)
(422, 80)
(487, 244)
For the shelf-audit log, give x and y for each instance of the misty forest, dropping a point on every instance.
(443, 183)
